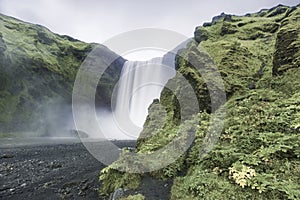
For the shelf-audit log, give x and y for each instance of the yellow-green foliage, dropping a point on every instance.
(200, 183)
(242, 176)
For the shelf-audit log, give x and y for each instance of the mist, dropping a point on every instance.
(110, 128)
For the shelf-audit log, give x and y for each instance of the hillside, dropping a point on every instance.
(37, 73)
(257, 154)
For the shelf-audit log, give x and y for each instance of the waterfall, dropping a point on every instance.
(140, 83)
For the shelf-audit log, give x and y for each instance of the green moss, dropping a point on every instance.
(38, 68)
(257, 56)
(204, 184)
(265, 125)
(112, 179)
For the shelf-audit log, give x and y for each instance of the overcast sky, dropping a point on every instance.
(99, 20)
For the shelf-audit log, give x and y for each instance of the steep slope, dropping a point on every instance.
(37, 73)
(257, 154)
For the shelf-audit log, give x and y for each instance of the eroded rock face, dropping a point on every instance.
(287, 51)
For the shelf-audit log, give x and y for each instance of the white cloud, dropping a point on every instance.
(98, 20)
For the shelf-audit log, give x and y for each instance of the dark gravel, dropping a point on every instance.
(50, 171)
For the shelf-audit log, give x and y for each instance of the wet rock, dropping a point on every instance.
(41, 162)
(47, 185)
(117, 194)
(7, 156)
(23, 185)
(54, 165)
(4, 187)
(12, 189)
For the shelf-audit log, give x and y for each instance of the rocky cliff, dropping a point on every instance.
(256, 155)
(37, 73)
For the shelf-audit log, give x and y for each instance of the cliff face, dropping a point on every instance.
(37, 73)
(257, 154)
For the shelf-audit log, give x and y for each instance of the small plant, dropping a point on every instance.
(241, 174)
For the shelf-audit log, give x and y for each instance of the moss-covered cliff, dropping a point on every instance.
(257, 155)
(37, 73)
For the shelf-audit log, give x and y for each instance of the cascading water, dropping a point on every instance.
(140, 83)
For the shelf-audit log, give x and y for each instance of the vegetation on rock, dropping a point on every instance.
(257, 155)
(37, 73)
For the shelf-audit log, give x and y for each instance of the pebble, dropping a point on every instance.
(41, 162)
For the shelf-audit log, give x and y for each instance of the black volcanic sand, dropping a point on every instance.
(63, 170)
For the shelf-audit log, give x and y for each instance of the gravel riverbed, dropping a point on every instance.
(60, 169)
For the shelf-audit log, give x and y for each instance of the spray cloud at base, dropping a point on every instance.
(140, 83)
